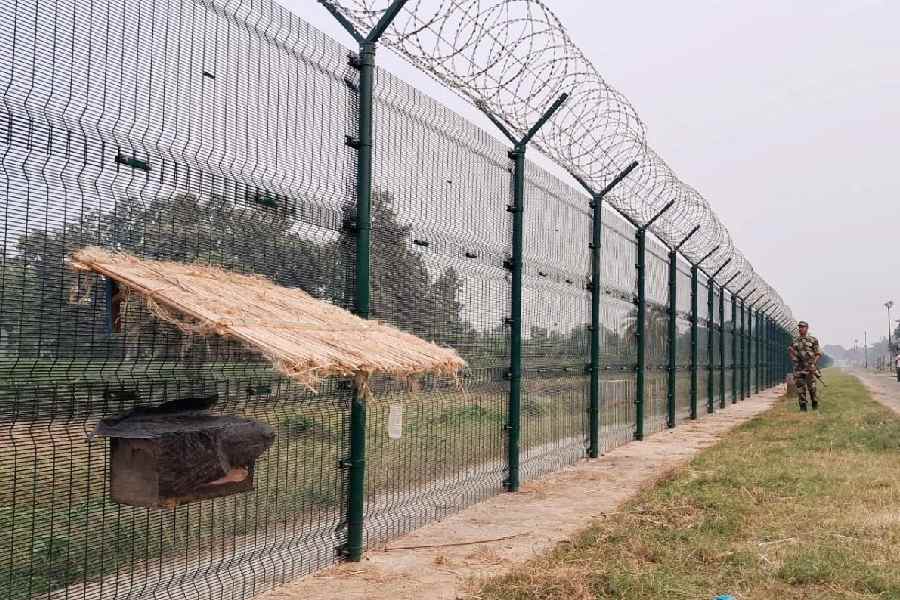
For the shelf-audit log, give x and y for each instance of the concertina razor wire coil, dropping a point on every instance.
(512, 58)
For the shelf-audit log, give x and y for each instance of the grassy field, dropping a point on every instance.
(790, 505)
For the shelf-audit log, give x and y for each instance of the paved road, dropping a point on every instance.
(884, 387)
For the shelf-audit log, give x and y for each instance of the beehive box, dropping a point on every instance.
(166, 460)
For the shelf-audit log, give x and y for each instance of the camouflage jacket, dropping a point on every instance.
(805, 349)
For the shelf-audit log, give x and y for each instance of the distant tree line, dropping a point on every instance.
(50, 311)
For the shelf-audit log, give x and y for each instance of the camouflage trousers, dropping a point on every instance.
(806, 383)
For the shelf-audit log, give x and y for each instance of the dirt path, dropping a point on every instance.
(530, 522)
(884, 387)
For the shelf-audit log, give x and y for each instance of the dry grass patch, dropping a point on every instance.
(790, 505)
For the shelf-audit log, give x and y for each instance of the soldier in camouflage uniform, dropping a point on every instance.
(805, 354)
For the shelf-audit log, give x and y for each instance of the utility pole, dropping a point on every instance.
(889, 305)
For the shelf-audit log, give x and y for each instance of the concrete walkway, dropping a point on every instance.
(521, 525)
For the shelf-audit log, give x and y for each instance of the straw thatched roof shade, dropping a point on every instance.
(305, 338)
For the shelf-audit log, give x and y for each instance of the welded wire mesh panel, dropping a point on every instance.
(618, 361)
(683, 342)
(618, 324)
(181, 131)
(657, 345)
(657, 273)
(683, 378)
(617, 417)
(619, 255)
(555, 319)
(753, 354)
(716, 358)
(440, 234)
(703, 350)
(729, 348)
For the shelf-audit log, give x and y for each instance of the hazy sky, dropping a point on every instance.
(784, 114)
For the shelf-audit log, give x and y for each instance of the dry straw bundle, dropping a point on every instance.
(305, 338)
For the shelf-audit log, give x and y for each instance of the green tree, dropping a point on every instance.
(400, 292)
(48, 307)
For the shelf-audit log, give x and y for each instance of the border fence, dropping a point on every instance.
(233, 133)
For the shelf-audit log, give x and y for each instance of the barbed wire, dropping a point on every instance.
(513, 58)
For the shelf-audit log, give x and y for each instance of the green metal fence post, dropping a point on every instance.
(722, 339)
(710, 335)
(747, 326)
(641, 329)
(780, 354)
(695, 332)
(710, 344)
(722, 347)
(764, 346)
(743, 348)
(711, 384)
(748, 338)
(596, 293)
(596, 239)
(761, 355)
(759, 320)
(672, 338)
(756, 349)
(774, 359)
(786, 340)
(514, 420)
(751, 343)
(769, 346)
(771, 358)
(735, 363)
(363, 144)
(768, 354)
(777, 358)
(776, 367)
(764, 352)
(785, 361)
(672, 329)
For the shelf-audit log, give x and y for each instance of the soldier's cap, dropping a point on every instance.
(802, 324)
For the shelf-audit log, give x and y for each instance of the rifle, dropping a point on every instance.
(818, 375)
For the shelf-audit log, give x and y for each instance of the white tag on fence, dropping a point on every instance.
(395, 421)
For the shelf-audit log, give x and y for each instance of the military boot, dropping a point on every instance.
(815, 405)
(803, 407)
